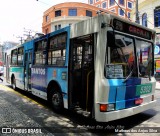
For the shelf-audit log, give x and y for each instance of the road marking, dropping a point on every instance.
(29, 99)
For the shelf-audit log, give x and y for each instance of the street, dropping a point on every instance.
(24, 113)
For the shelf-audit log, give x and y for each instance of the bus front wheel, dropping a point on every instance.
(57, 101)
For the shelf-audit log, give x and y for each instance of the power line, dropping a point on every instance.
(43, 2)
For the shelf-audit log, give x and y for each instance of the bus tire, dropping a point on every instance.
(14, 83)
(57, 101)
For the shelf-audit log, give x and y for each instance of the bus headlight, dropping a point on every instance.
(107, 107)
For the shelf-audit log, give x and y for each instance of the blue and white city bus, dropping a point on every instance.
(102, 67)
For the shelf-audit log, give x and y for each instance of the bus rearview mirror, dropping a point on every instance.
(110, 39)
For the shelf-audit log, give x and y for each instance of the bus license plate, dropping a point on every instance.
(143, 89)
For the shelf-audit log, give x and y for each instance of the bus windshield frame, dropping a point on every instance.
(130, 56)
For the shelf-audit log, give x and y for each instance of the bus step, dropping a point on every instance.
(82, 112)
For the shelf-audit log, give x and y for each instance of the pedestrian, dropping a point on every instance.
(1, 74)
(0, 77)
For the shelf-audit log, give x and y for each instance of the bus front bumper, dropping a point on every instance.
(114, 115)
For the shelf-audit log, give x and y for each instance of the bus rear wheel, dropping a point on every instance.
(14, 83)
(57, 101)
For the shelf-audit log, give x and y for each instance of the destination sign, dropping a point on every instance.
(131, 29)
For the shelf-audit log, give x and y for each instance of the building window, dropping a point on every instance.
(144, 20)
(91, 1)
(97, 0)
(72, 12)
(113, 10)
(98, 6)
(59, 26)
(57, 13)
(129, 15)
(157, 17)
(55, 27)
(121, 12)
(88, 13)
(111, 2)
(46, 31)
(121, 2)
(104, 5)
(47, 18)
(130, 5)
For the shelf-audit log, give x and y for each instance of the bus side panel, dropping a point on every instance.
(38, 81)
(41, 77)
(18, 73)
(5, 71)
(60, 75)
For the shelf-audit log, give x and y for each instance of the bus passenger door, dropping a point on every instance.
(27, 70)
(8, 68)
(82, 72)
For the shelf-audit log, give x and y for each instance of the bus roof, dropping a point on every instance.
(93, 25)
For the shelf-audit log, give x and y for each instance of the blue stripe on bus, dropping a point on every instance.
(131, 92)
(123, 95)
(40, 88)
(130, 103)
(113, 83)
(133, 81)
(120, 97)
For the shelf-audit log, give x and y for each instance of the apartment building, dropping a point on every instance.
(121, 8)
(64, 14)
(149, 14)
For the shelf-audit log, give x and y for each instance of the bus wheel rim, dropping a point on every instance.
(56, 100)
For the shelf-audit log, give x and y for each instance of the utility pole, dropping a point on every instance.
(28, 31)
(28, 34)
(137, 13)
(21, 38)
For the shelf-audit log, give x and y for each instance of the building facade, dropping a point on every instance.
(149, 14)
(121, 8)
(64, 14)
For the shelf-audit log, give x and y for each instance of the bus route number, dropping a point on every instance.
(143, 89)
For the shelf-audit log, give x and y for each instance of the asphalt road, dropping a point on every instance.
(23, 111)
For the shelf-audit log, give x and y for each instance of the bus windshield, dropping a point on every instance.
(144, 52)
(122, 56)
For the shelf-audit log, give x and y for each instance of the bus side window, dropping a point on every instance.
(57, 50)
(20, 56)
(77, 56)
(14, 57)
(40, 52)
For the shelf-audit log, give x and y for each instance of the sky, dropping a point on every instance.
(18, 17)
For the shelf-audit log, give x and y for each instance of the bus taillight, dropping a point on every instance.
(106, 107)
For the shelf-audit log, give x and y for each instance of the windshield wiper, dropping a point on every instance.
(130, 74)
